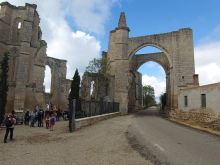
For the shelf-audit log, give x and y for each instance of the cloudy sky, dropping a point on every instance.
(77, 30)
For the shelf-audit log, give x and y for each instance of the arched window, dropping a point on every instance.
(91, 88)
(19, 25)
(47, 79)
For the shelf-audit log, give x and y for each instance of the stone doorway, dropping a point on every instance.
(145, 55)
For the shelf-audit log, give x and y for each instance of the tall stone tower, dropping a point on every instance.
(117, 54)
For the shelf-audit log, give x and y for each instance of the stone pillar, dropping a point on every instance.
(21, 77)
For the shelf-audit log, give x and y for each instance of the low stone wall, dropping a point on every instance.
(198, 116)
(91, 120)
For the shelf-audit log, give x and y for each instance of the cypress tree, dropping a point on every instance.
(74, 94)
(3, 85)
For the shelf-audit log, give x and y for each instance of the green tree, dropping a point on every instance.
(99, 66)
(74, 94)
(3, 85)
(148, 96)
(94, 66)
(75, 85)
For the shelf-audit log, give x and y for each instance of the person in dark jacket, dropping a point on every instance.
(27, 118)
(9, 123)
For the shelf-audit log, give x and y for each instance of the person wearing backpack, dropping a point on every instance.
(9, 123)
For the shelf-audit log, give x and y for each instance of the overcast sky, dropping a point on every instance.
(77, 30)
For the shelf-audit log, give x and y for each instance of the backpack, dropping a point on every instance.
(9, 122)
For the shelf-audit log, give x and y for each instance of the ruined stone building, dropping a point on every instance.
(176, 58)
(20, 35)
(185, 98)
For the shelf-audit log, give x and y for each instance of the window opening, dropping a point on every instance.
(203, 100)
(185, 101)
(19, 25)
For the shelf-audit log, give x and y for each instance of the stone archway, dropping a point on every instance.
(136, 62)
(177, 47)
(58, 77)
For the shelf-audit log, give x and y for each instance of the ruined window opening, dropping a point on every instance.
(183, 77)
(47, 79)
(203, 100)
(91, 88)
(19, 25)
(186, 101)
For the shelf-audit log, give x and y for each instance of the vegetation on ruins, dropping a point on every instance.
(148, 96)
(99, 66)
(94, 66)
(3, 85)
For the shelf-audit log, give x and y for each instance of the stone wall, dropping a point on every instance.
(193, 115)
(102, 87)
(20, 35)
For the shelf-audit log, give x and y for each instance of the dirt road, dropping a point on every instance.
(104, 143)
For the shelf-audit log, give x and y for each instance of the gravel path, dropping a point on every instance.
(104, 143)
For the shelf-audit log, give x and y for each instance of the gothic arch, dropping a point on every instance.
(160, 58)
(177, 60)
(58, 77)
(136, 45)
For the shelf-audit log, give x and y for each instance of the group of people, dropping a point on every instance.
(37, 117)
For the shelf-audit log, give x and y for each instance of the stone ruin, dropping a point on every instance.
(176, 58)
(20, 35)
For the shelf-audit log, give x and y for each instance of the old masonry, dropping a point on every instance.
(20, 35)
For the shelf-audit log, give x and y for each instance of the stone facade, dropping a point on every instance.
(20, 35)
(177, 59)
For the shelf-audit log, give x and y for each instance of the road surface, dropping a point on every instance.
(104, 143)
(169, 143)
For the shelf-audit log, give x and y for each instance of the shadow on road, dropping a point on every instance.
(151, 111)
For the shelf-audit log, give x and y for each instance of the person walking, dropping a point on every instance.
(27, 118)
(9, 123)
(52, 119)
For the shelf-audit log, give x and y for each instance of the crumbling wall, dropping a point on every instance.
(20, 35)
(102, 87)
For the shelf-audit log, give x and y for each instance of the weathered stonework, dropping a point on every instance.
(177, 59)
(102, 87)
(201, 115)
(20, 35)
